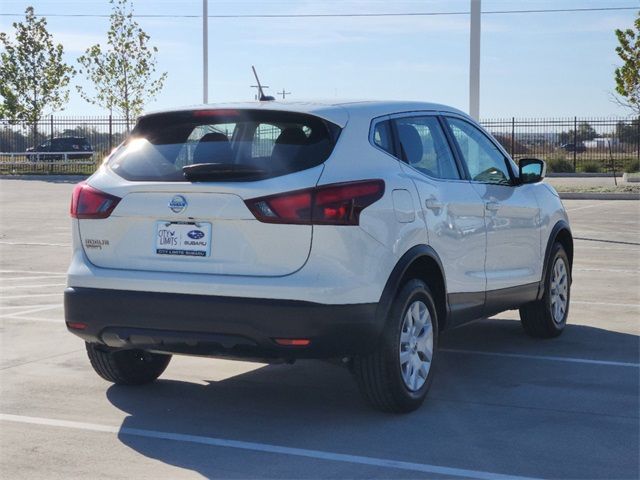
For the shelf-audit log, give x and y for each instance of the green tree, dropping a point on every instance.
(34, 75)
(122, 72)
(627, 76)
(628, 132)
(584, 132)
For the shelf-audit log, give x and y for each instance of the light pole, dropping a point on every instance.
(205, 52)
(474, 60)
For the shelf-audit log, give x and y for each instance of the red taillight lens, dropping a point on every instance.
(87, 202)
(336, 204)
(76, 325)
(293, 342)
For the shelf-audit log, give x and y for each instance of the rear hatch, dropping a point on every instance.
(172, 198)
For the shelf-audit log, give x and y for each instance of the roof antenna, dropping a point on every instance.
(261, 96)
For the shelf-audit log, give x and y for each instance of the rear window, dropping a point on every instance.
(266, 143)
(67, 144)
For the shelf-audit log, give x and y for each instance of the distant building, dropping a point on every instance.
(601, 142)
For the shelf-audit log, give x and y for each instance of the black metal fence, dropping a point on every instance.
(590, 145)
(567, 144)
(103, 133)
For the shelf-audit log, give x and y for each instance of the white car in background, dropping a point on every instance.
(277, 232)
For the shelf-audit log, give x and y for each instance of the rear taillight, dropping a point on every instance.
(87, 202)
(335, 204)
(76, 325)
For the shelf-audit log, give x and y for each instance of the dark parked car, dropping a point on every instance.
(572, 147)
(63, 145)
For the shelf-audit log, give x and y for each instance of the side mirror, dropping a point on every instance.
(532, 170)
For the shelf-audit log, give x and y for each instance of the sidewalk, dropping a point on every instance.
(595, 188)
(584, 181)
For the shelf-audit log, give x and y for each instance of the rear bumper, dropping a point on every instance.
(220, 326)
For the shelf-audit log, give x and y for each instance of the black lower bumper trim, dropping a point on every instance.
(220, 326)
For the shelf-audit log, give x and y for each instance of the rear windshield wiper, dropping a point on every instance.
(210, 172)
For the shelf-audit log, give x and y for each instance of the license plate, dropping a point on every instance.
(183, 239)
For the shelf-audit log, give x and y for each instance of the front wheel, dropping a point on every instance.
(547, 317)
(126, 367)
(397, 375)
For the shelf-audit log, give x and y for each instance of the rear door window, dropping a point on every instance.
(424, 146)
(267, 143)
(382, 136)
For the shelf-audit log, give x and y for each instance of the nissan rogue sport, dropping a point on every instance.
(275, 232)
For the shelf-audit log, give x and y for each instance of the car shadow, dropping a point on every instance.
(316, 405)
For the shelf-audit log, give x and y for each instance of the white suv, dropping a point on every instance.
(282, 231)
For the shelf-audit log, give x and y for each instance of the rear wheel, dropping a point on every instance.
(397, 375)
(547, 317)
(126, 367)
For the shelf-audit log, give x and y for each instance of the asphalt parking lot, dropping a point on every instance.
(501, 403)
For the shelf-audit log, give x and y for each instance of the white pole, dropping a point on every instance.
(205, 52)
(474, 60)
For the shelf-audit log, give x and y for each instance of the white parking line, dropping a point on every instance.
(32, 271)
(9, 297)
(31, 310)
(45, 277)
(542, 357)
(583, 207)
(36, 244)
(59, 321)
(607, 304)
(611, 270)
(12, 287)
(261, 447)
(9, 307)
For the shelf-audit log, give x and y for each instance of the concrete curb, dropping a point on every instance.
(582, 175)
(599, 196)
(61, 178)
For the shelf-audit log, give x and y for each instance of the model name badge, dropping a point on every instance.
(96, 244)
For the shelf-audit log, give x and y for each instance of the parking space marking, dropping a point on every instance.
(32, 271)
(42, 277)
(261, 447)
(9, 297)
(10, 307)
(33, 285)
(607, 304)
(583, 207)
(542, 357)
(618, 242)
(32, 319)
(31, 310)
(611, 270)
(609, 248)
(36, 244)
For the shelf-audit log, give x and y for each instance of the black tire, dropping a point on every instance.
(537, 318)
(379, 374)
(126, 367)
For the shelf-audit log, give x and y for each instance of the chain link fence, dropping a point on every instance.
(576, 144)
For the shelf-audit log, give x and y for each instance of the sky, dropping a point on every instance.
(532, 64)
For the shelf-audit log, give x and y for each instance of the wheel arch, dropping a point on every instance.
(561, 233)
(422, 262)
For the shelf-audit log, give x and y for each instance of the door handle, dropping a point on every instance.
(492, 206)
(433, 204)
